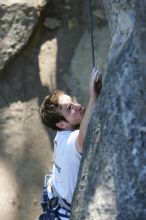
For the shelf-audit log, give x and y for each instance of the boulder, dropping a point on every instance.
(17, 22)
(112, 178)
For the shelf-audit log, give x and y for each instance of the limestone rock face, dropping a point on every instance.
(17, 22)
(112, 179)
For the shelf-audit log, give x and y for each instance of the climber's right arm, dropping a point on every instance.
(94, 89)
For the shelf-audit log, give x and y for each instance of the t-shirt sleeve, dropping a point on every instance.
(72, 141)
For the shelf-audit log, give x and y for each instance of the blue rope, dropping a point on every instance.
(91, 32)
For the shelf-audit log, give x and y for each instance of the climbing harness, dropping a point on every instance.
(61, 201)
(52, 207)
(91, 31)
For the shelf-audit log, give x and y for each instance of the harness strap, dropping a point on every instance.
(52, 207)
(48, 181)
(61, 201)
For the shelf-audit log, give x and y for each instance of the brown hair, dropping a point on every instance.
(48, 113)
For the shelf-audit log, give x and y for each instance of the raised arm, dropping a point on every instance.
(94, 89)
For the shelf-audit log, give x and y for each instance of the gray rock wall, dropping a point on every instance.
(17, 22)
(112, 179)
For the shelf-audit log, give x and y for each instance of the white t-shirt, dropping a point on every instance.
(66, 163)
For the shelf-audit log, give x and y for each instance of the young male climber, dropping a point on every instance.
(64, 114)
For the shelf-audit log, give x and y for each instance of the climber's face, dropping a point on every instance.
(71, 110)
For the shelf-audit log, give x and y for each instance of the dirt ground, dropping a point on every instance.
(26, 146)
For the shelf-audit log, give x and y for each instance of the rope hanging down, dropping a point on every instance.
(91, 31)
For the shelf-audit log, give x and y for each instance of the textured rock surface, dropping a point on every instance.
(112, 180)
(51, 59)
(17, 22)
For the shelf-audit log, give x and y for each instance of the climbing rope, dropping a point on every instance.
(91, 31)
